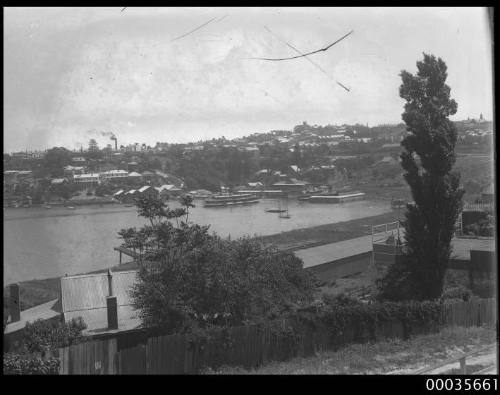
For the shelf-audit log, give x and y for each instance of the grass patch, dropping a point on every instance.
(381, 357)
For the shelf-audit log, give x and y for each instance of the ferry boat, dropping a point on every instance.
(223, 200)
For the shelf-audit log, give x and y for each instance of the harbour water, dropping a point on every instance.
(41, 243)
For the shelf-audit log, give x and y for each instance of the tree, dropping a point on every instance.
(427, 160)
(297, 156)
(55, 159)
(191, 279)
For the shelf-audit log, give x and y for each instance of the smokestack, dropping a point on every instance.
(15, 306)
(116, 144)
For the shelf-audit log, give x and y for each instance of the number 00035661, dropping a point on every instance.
(461, 384)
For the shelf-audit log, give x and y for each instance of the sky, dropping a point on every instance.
(71, 74)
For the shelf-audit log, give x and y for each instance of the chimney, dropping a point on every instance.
(112, 312)
(15, 307)
(110, 283)
(111, 304)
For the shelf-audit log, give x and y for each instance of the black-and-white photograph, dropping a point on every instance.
(250, 191)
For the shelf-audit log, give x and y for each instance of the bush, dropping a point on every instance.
(43, 336)
(484, 288)
(459, 292)
(23, 364)
(339, 300)
(346, 316)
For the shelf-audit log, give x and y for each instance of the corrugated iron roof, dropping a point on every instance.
(145, 187)
(87, 175)
(43, 311)
(332, 252)
(165, 187)
(97, 319)
(90, 291)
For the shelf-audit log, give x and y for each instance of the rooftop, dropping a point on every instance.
(44, 311)
(85, 296)
(88, 175)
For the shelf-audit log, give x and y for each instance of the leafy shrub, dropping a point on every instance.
(42, 336)
(459, 292)
(485, 288)
(339, 300)
(28, 364)
(344, 316)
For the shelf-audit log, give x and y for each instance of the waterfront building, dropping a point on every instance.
(113, 175)
(147, 191)
(134, 176)
(129, 196)
(289, 187)
(89, 178)
(168, 190)
(70, 171)
(119, 194)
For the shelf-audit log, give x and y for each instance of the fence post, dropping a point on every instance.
(61, 361)
(463, 366)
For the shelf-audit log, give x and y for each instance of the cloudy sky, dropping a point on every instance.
(72, 73)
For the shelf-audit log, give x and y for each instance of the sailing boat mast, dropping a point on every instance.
(284, 212)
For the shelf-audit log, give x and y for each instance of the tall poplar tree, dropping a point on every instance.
(427, 159)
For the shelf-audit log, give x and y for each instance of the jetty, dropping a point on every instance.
(131, 253)
(336, 198)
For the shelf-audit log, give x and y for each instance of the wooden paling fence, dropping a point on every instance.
(96, 357)
(246, 346)
(472, 313)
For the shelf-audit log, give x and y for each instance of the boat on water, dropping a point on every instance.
(46, 206)
(70, 208)
(223, 200)
(282, 209)
(398, 203)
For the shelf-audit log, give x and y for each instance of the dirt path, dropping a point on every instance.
(484, 359)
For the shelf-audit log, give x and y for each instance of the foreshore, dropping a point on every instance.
(35, 292)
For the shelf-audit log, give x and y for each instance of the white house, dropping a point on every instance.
(86, 178)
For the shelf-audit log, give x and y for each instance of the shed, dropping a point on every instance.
(86, 296)
(147, 190)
